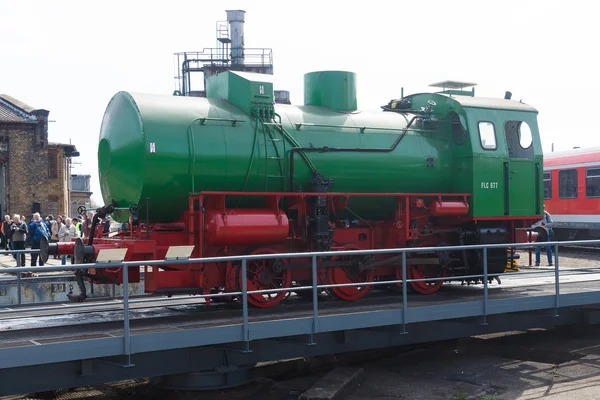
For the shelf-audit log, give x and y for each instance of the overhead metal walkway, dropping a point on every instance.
(190, 343)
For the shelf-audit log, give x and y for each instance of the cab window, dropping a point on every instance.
(459, 133)
(487, 135)
(518, 139)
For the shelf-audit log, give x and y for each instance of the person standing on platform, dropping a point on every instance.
(18, 232)
(7, 233)
(66, 232)
(546, 223)
(37, 229)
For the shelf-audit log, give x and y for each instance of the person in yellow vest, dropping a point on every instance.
(77, 223)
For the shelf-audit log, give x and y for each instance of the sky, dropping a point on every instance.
(71, 57)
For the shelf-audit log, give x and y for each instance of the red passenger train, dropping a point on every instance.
(572, 193)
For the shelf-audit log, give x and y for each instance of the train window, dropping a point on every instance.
(525, 137)
(547, 185)
(487, 135)
(592, 182)
(518, 139)
(459, 133)
(567, 184)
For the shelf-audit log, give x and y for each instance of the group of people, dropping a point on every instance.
(17, 234)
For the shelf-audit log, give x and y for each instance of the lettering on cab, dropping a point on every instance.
(489, 185)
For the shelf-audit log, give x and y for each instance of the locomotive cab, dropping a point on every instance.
(497, 151)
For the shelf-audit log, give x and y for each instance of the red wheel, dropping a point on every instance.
(348, 274)
(424, 272)
(264, 275)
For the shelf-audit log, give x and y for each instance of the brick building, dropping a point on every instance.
(33, 173)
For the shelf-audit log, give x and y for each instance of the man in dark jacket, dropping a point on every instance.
(18, 232)
(37, 229)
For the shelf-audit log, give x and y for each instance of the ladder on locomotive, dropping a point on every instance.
(274, 154)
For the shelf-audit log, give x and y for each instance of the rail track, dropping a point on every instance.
(590, 249)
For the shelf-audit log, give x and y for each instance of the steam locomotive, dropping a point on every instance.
(234, 173)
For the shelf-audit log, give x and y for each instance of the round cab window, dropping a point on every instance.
(525, 138)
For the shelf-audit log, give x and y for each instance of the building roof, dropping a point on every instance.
(13, 110)
(69, 149)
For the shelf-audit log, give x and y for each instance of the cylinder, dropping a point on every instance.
(335, 90)
(448, 208)
(236, 31)
(53, 249)
(245, 227)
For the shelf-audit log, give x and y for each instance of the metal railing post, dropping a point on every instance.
(19, 282)
(485, 286)
(556, 280)
(126, 332)
(315, 301)
(404, 294)
(245, 332)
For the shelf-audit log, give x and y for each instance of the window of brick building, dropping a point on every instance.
(3, 143)
(52, 164)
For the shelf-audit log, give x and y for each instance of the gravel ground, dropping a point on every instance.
(567, 258)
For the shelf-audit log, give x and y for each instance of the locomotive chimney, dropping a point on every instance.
(507, 95)
(235, 18)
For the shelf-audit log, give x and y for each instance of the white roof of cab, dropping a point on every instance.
(487, 102)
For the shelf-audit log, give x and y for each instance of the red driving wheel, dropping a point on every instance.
(264, 275)
(348, 274)
(424, 272)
